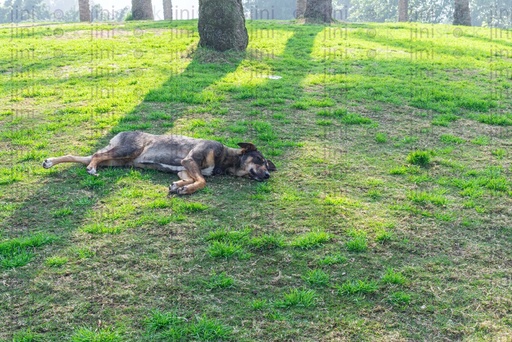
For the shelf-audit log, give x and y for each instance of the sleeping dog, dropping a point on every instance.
(191, 158)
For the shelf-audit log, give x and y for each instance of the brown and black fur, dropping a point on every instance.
(191, 158)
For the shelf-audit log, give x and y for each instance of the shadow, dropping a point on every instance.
(61, 187)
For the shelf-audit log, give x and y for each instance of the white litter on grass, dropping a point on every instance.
(275, 77)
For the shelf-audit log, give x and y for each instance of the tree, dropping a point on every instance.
(403, 10)
(167, 9)
(318, 11)
(301, 9)
(222, 25)
(84, 10)
(142, 10)
(461, 13)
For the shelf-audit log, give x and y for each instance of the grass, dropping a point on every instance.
(316, 278)
(298, 298)
(420, 158)
(310, 240)
(357, 287)
(390, 201)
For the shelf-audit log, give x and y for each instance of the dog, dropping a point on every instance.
(191, 158)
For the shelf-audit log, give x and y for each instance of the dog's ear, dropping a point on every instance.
(271, 166)
(247, 147)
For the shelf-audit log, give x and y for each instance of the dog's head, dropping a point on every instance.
(253, 164)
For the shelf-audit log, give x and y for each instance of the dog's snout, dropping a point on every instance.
(267, 175)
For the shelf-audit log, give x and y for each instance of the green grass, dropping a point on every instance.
(56, 261)
(390, 200)
(357, 287)
(420, 158)
(19, 251)
(392, 277)
(316, 278)
(219, 281)
(329, 260)
(310, 240)
(96, 335)
(298, 298)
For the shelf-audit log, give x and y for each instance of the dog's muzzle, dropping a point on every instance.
(257, 177)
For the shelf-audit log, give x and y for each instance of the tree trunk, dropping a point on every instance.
(301, 9)
(84, 11)
(318, 11)
(142, 10)
(461, 14)
(167, 9)
(403, 10)
(222, 25)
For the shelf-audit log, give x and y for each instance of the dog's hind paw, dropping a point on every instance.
(47, 164)
(92, 171)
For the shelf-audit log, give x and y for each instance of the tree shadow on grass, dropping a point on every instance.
(43, 211)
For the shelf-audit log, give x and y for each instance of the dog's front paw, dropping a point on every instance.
(47, 164)
(182, 191)
(173, 188)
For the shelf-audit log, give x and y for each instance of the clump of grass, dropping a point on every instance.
(324, 122)
(337, 113)
(423, 197)
(226, 235)
(497, 120)
(357, 287)
(499, 153)
(26, 336)
(358, 242)
(481, 140)
(444, 120)
(316, 278)
(267, 241)
(219, 249)
(419, 157)
(392, 277)
(374, 194)
(298, 297)
(329, 260)
(207, 329)
(104, 335)
(383, 235)
(62, 212)
(400, 298)
(310, 240)
(56, 261)
(91, 182)
(381, 138)
(83, 253)
(166, 326)
(405, 169)
(259, 304)
(451, 139)
(18, 252)
(219, 281)
(356, 119)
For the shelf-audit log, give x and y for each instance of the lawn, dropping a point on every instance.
(389, 218)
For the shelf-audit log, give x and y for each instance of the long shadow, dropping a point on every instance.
(184, 87)
(44, 210)
(41, 211)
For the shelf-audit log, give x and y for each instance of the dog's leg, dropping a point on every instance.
(185, 180)
(197, 181)
(66, 159)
